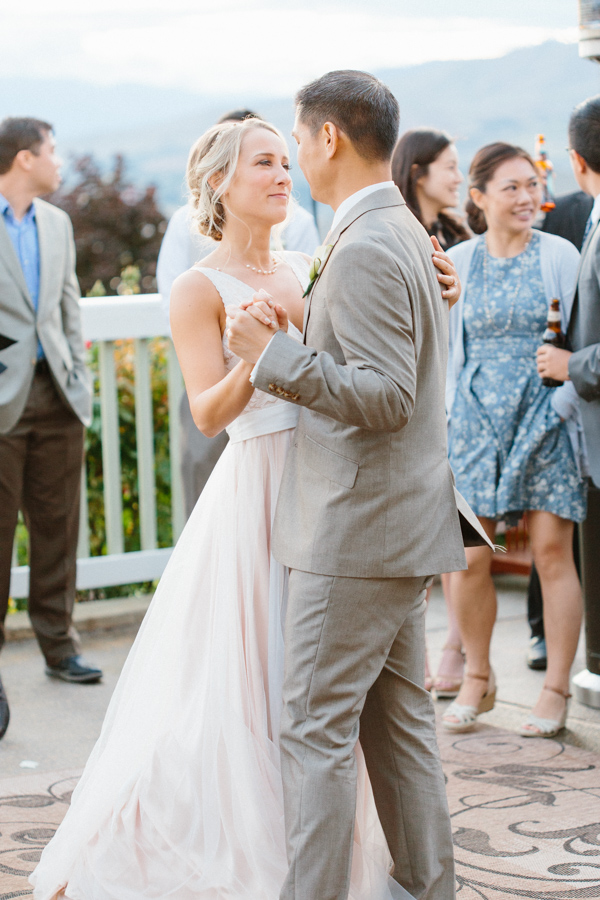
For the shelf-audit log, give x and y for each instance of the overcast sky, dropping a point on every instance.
(266, 45)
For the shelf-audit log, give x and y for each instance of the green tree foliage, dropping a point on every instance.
(115, 224)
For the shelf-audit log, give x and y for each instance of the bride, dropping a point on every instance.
(181, 797)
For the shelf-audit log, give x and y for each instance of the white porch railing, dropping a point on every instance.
(105, 320)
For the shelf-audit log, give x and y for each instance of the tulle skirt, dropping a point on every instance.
(181, 797)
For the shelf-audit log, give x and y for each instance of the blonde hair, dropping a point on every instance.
(217, 153)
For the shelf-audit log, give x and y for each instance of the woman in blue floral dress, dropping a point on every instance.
(515, 445)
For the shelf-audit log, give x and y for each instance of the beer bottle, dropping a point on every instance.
(546, 170)
(553, 335)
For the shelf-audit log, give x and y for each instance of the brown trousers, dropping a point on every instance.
(40, 472)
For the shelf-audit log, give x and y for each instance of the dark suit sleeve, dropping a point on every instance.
(370, 311)
(569, 217)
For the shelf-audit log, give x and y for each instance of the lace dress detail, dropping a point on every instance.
(508, 448)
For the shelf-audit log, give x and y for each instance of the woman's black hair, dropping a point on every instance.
(482, 170)
(414, 153)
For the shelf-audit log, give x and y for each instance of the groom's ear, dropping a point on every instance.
(331, 137)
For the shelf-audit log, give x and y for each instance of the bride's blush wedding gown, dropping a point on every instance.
(181, 798)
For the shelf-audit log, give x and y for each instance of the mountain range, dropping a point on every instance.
(511, 98)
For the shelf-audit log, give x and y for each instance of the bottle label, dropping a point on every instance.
(553, 316)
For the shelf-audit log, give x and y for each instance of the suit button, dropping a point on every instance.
(272, 387)
(295, 396)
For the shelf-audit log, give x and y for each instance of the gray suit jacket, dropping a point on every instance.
(367, 490)
(584, 338)
(57, 323)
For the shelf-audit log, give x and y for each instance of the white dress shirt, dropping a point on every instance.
(347, 204)
(595, 213)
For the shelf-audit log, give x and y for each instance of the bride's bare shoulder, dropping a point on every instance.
(194, 297)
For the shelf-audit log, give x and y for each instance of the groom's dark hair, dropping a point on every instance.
(359, 105)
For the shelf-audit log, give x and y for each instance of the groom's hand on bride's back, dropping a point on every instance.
(447, 274)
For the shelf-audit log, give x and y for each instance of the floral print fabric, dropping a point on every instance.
(509, 450)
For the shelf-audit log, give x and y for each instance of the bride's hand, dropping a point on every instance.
(447, 274)
(266, 310)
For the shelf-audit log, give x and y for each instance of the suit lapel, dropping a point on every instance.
(44, 237)
(11, 262)
(587, 243)
(380, 199)
(330, 240)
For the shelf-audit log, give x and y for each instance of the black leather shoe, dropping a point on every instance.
(536, 655)
(75, 669)
(4, 711)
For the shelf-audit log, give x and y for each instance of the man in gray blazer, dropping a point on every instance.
(582, 366)
(366, 512)
(45, 397)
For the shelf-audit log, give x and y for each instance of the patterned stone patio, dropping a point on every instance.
(525, 813)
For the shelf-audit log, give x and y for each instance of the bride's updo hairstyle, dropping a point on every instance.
(214, 157)
(482, 170)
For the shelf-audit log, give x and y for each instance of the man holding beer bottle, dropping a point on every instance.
(581, 364)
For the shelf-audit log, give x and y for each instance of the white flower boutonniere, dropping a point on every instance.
(319, 259)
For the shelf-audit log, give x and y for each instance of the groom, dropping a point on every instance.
(366, 513)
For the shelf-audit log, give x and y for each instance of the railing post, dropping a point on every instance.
(106, 320)
(111, 454)
(144, 434)
(175, 388)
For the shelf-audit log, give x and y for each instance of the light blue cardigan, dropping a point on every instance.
(559, 262)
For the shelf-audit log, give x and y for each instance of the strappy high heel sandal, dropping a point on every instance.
(546, 728)
(467, 715)
(444, 686)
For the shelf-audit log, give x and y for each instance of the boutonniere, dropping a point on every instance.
(316, 267)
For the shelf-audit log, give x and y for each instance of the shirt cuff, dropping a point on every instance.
(257, 364)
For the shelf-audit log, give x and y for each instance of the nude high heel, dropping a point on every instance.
(546, 728)
(467, 715)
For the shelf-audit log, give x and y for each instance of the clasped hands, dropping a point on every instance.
(252, 324)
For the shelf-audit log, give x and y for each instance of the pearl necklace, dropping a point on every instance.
(258, 271)
(511, 311)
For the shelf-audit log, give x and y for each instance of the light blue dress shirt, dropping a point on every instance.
(24, 237)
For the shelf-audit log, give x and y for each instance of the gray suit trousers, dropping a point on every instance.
(355, 663)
